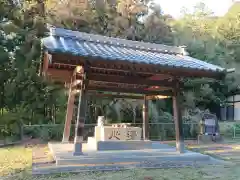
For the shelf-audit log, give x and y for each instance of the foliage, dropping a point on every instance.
(29, 99)
(204, 41)
(10, 126)
(44, 132)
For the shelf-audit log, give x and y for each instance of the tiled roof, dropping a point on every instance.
(89, 45)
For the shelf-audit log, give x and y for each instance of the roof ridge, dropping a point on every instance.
(116, 41)
(120, 45)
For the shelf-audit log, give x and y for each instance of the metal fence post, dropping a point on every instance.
(163, 133)
(234, 132)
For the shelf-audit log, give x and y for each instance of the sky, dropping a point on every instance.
(173, 7)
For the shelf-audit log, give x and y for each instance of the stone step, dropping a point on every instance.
(129, 158)
(50, 169)
(124, 145)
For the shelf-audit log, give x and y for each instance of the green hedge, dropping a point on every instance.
(44, 132)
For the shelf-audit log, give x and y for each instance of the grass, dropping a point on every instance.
(14, 160)
(15, 164)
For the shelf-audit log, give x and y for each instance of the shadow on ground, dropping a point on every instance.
(16, 161)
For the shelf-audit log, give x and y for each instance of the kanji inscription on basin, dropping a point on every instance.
(122, 133)
(108, 133)
(115, 134)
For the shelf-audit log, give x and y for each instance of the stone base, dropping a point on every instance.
(95, 145)
(209, 138)
(165, 157)
(63, 155)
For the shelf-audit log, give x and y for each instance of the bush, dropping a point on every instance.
(10, 126)
(226, 128)
(45, 132)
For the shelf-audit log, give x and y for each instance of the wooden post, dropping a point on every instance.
(69, 115)
(45, 64)
(70, 105)
(145, 120)
(81, 115)
(178, 120)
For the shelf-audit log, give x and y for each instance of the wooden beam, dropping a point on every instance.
(69, 116)
(62, 66)
(59, 75)
(154, 69)
(45, 63)
(81, 116)
(158, 77)
(178, 120)
(133, 91)
(157, 97)
(101, 95)
(120, 96)
(76, 83)
(75, 91)
(149, 68)
(145, 119)
(78, 69)
(129, 80)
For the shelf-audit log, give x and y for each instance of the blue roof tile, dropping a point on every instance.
(119, 49)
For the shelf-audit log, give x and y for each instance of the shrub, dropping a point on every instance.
(10, 126)
(45, 132)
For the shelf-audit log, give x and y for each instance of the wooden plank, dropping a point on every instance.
(69, 116)
(59, 75)
(62, 66)
(117, 85)
(145, 119)
(123, 96)
(157, 97)
(129, 80)
(76, 83)
(75, 91)
(78, 69)
(178, 120)
(160, 77)
(149, 68)
(81, 116)
(45, 63)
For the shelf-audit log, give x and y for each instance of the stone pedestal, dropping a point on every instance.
(115, 137)
(108, 133)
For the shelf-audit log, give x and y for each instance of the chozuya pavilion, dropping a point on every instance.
(92, 64)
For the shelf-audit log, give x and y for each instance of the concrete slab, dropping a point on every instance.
(165, 157)
(53, 169)
(93, 144)
(63, 155)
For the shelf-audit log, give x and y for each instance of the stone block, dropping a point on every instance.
(108, 133)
